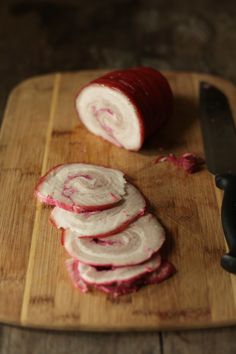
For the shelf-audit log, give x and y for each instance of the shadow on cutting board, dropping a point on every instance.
(172, 135)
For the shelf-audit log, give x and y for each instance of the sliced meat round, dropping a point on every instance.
(137, 243)
(102, 223)
(91, 275)
(81, 187)
(72, 268)
(126, 106)
(163, 272)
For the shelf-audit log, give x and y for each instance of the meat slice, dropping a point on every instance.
(126, 106)
(81, 187)
(92, 275)
(72, 268)
(165, 271)
(134, 245)
(117, 288)
(102, 223)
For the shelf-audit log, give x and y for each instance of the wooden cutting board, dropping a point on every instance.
(40, 130)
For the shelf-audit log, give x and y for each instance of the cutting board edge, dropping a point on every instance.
(120, 329)
(29, 81)
(33, 78)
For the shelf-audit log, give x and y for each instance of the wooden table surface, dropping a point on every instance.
(56, 35)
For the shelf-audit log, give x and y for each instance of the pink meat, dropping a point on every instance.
(81, 187)
(72, 268)
(164, 271)
(119, 275)
(188, 161)
(134, 245)
(103, 223)
(126, 106)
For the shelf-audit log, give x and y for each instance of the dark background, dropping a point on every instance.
(38, 37)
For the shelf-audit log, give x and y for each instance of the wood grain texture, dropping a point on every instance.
(16, 340)
(41, 130)
(217, 341)
(24, 341)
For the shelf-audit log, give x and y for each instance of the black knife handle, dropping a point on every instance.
(228, 217)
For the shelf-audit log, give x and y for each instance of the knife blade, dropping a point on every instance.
(219, 138)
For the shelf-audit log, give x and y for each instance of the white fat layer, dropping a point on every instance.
(93, 276)
(134, 245)
(109, 113)
(83, 185)
(101, 222)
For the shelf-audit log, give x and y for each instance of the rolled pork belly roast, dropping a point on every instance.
(126, 106)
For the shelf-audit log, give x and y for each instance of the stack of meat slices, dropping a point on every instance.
(113, 241)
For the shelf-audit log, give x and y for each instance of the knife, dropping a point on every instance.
(219, 138)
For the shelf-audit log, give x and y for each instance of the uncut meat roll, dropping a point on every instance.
(126, 106)
(134, 245)
(81, 187)
(102, 223)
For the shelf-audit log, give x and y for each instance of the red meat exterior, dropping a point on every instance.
(149, 92)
